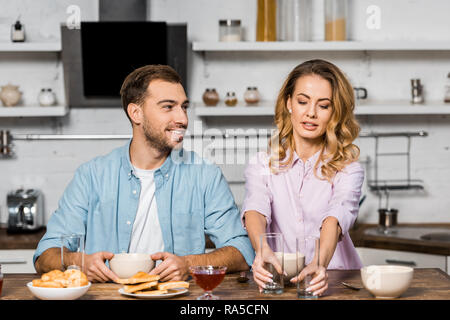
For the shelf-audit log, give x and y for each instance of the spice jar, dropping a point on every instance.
(17, 32)
(210, 97)
(251, 96)
(46, 97)
(335, 20)
(230, 99)
(230, 30)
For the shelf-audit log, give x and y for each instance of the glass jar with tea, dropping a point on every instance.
(230, 30)
(335, 20)
(210, 97)
(252, 96)
(266, 20)
(230, 99)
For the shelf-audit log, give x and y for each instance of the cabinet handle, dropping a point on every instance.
(407, 263)
(13, 260)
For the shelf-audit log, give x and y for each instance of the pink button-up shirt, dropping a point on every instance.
(295, 202)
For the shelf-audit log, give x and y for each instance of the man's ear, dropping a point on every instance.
(135, 113)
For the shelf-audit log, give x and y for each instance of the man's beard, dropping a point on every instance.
(155, 139)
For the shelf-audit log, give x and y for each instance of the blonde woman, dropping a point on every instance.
(309, 184)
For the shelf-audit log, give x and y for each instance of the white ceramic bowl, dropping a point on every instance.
(58, 293)
(387, 281)
(125, 265)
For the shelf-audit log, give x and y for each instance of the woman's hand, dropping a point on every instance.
(261, 275)
(319, 283)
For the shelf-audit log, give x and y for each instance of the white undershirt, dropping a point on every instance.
(146, 236)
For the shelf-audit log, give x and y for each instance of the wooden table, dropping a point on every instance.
(427, 284)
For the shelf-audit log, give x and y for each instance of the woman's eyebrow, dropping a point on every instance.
(321, 99)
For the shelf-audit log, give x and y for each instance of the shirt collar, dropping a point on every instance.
(166, 167)
(311, 160)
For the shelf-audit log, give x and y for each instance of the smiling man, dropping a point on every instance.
(149, 196)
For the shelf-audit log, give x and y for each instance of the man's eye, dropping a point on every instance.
(185, 107)
(168, 106)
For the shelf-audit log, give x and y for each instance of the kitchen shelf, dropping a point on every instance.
(33, 111)
(405, 45)
(30, 46)
(266, 108)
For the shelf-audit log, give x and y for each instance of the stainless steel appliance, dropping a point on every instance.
(25, 210)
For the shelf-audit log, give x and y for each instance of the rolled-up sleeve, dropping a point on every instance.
(344, 203)
(70, 217)
(222, 223)
(257, 194)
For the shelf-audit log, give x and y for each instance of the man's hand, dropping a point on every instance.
(172, 268)
(96, 269)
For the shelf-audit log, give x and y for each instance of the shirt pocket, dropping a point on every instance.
(188, 231)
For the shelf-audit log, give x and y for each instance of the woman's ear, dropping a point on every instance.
(135, 113)
(289, 104)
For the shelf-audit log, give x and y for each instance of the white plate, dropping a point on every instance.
(172, 293)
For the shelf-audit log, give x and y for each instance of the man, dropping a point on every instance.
(149, 196)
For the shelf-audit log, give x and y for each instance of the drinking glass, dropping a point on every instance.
(308, 251)
(275, 242)
(73, 243)
(207, 278)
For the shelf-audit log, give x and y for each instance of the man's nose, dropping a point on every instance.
(181, 117)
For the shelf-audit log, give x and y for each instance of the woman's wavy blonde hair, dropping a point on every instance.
(338, 149)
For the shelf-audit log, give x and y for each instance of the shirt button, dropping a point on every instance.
(134, 191)
(167, 175)
(300, 220)
(128, 222)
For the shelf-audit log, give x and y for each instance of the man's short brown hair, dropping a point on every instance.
(134, 87)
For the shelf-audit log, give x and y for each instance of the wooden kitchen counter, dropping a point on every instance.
(20, 241)
(427, 284)
(360, 239)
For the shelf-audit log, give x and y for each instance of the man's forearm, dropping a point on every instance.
(50, 260)
(227, 256)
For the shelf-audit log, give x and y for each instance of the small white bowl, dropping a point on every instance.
(386, 281)
(58, 293)
(126, 265)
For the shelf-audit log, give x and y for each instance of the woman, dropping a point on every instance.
(310, 183)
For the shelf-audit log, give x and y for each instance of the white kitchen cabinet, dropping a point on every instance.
(17, 261)
(370, 256)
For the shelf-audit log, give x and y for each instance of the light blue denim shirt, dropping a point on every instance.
(192, 196)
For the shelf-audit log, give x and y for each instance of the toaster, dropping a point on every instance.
(25, 210)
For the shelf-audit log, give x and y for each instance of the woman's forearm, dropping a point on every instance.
(255, 223)
(329, 236)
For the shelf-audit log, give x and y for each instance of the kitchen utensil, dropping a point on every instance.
(171, 293)
(25, 210)
(447, 90)
(207, 278)
(242, 277)
(308, 252)
(230, 99)
(5, 143)
(275, 241)
(386, 281)
(387, 218)
(345, 284)
(125, 265)
(416, 91)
